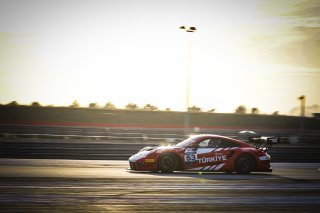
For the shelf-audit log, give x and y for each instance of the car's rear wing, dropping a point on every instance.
(264, 143)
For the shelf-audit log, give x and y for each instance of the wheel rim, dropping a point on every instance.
(244, 165)
(167, 163)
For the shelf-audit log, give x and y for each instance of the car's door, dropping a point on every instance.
(211, 154)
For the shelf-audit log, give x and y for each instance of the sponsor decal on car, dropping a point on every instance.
(208, 168)
(149, 160)
(212, 159)
(190, 156)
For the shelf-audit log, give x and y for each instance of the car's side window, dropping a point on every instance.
(210, 143)
(204, 143)
(216, 143)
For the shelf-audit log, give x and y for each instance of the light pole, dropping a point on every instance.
(189, 30)
(302, 100)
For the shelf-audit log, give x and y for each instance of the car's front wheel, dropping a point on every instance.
(245, 164)
(168, 163)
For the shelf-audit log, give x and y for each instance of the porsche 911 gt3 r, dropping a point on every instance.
(207, 153)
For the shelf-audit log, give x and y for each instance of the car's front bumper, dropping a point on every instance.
(143, 165)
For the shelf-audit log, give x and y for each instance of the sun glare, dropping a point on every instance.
(135, 53)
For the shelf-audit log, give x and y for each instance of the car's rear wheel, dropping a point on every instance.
(168, 163)
(245, 164)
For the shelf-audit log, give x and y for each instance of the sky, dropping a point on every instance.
(256, 53)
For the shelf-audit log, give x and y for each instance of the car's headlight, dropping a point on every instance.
(152, 151)
(148, 148)
(146, 153)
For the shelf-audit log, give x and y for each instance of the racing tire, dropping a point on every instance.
(245, 164)
(168, 163)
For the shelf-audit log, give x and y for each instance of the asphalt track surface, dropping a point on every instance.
(53, 185)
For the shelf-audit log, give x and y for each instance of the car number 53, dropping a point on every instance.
(190, 158)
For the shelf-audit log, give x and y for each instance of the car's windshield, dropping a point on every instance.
(186, 142)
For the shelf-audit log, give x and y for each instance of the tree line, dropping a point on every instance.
(147, 107)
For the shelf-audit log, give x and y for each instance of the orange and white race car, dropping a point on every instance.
(206, 153)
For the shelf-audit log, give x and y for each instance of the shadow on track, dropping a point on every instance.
(210, 175)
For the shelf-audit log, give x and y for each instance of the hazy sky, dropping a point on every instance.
(257, 53)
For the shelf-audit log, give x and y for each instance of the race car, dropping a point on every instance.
(205, 153)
